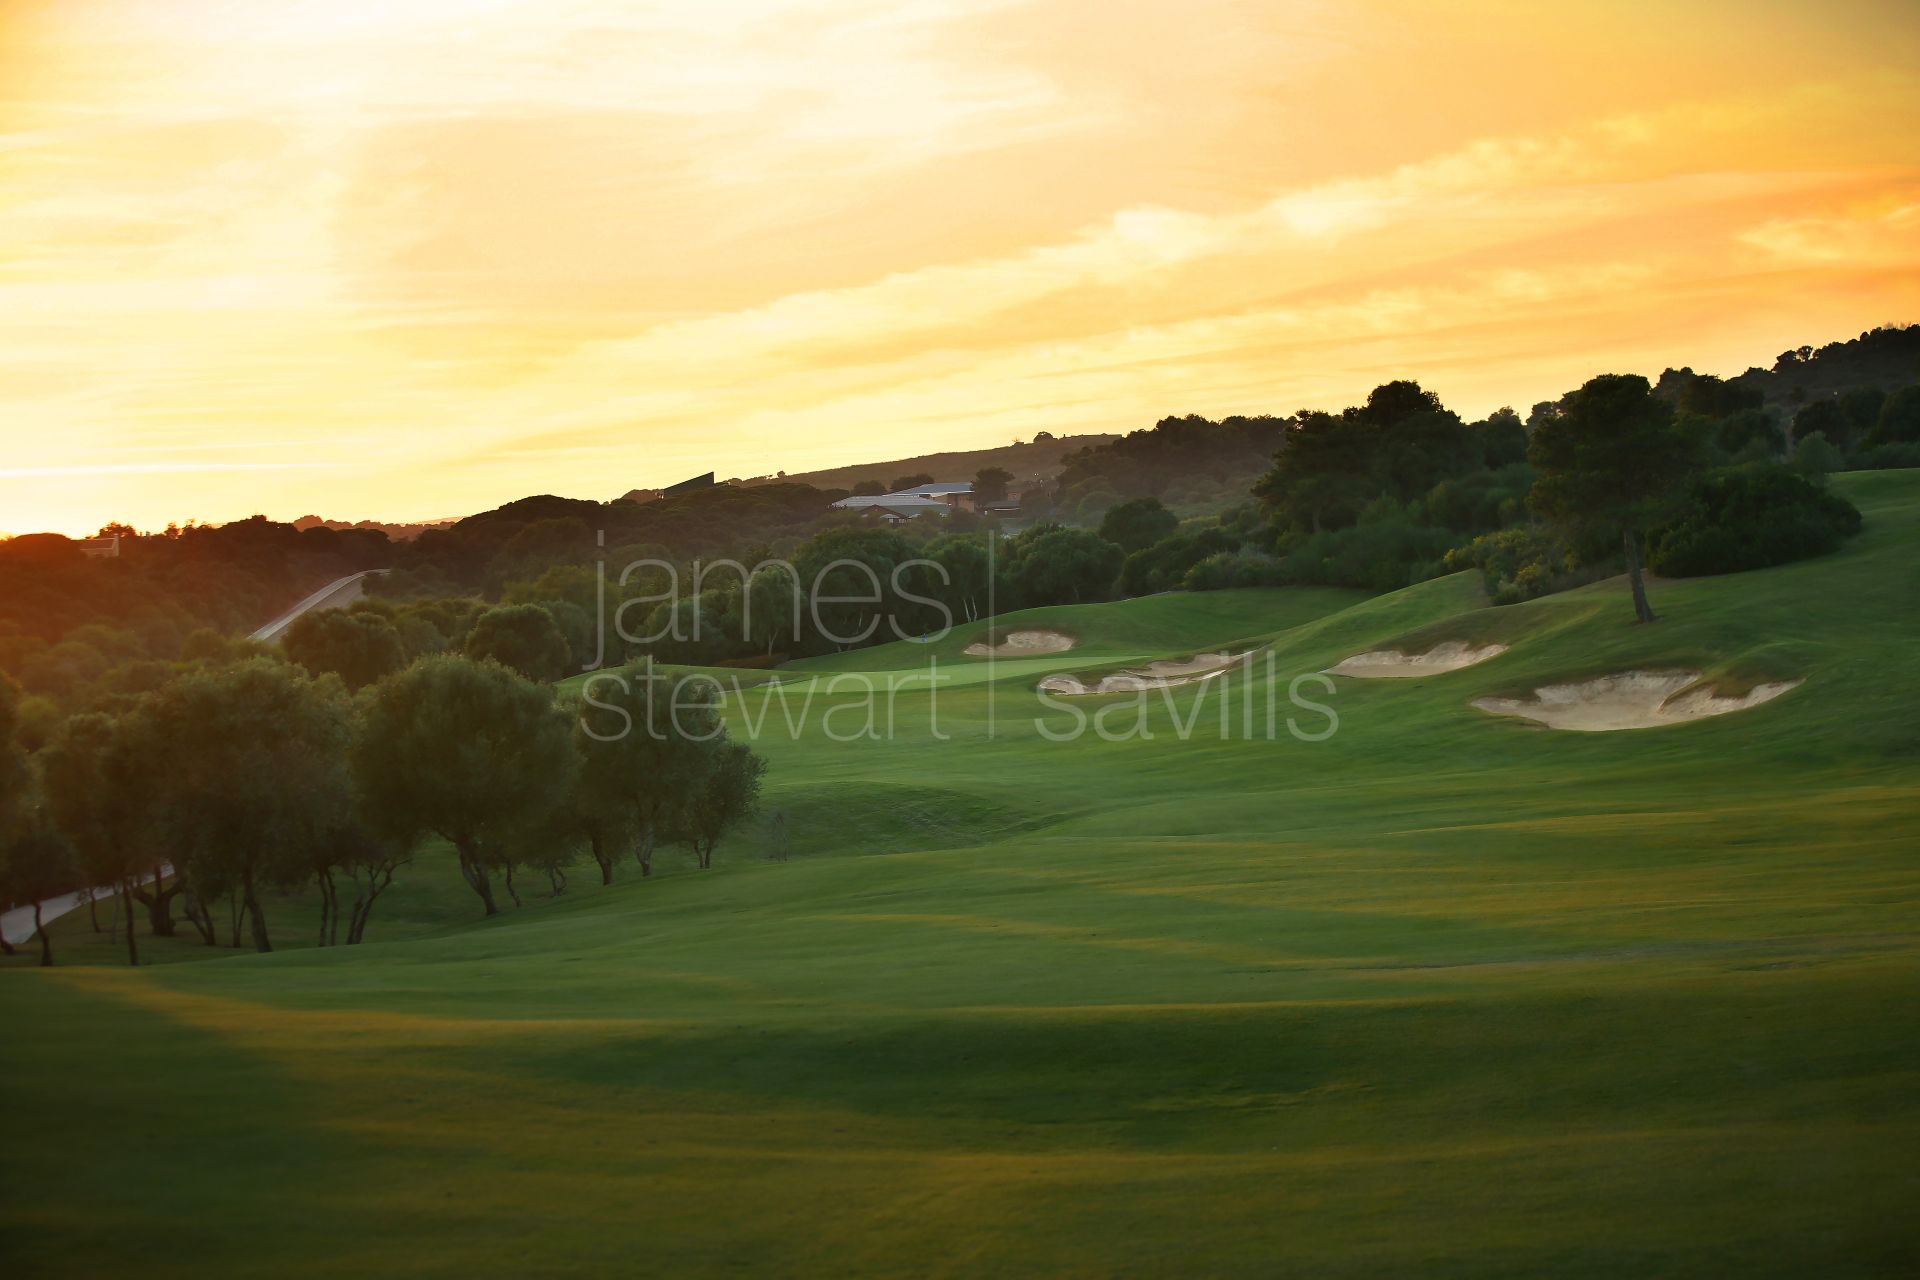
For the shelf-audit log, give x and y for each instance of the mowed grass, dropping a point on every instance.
(1439, 993)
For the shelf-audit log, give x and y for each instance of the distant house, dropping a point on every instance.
(908, 504)
(893, 508)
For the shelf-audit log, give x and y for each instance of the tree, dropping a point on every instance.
(100, 775)
(522, 638)
(14, 778)
(1137, 525)
(256, 778)
(1612, 458)
(869, 488)
(1065, 566)
(725, 796)
(1502, 438)
(358, 646)
(1815, 458)
(964, 560)
(990, 485)
(645, 744)
(1899, 420)
(913, 481)
(468, 751)
(1825, 418)
(36, 863)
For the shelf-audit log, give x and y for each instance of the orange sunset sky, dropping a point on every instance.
(415, 258)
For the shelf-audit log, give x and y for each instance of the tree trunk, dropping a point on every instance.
(133, 947)
(260, 941)
(93, 910)
(329, 906)
(643, 854)
(194, 907)
(159, 903)
(511, 891)
(46, 944)
(601, 856)
(476, 878)
(1641, 609)
(236, 915)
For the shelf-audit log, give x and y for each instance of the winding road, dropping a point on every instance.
(335, 595)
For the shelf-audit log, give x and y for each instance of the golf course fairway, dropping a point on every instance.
(1408, 987)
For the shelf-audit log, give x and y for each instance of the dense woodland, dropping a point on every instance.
(142, 732)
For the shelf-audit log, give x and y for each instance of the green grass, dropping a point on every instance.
(1441, 994)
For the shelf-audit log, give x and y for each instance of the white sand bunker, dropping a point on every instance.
(1165, 674)
(1021, 643)
(1630, 700)
(1393, 664)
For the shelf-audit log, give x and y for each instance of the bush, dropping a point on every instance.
(1137, 524)
(1383, 554)
(1750, 517)
(1227, 569)
(1164, 565)
(1888, 457)
(1816, 458)
(1519, 564)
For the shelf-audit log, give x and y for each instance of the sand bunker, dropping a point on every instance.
(1630, 700)
(1392, 664)
(1017, 644)
(1166, 674)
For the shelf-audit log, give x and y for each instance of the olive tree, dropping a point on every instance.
(645, 743)
(722, 798)
(468, 751)
(256, 776)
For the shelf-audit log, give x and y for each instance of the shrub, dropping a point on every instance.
(1749, 517)
(1163, 566)
(1888, 457)
(1521, 563)
(1383, 554)
(1226, 569)
(1816, 458)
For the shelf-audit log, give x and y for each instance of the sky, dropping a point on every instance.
(411, 259)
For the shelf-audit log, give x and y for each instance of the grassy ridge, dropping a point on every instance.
(1441, 991)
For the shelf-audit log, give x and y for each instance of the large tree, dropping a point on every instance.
(990, 485)
(102, 782)
(256, 777)
(646, 744)
(1138, 524)
(465, 750)
(1064, 566)
(522, 637)
(359, 646)
(36, 863)
(1613, 459)
(725, 796)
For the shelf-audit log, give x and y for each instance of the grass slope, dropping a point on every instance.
(1440, 992)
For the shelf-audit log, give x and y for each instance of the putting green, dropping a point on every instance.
(1437, 992)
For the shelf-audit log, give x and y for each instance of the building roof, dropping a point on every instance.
(898, 501)
(943, 487)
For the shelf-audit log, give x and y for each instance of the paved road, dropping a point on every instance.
(335, 595)
(16, 926)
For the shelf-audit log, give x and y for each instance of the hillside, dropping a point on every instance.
(1031, 463)
(1440, 993)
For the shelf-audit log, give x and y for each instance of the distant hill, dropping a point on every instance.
(1034, 463)
(398, 532)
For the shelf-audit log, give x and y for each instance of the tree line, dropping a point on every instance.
(237, 780)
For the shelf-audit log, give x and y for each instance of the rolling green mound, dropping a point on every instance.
(1404, 987)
